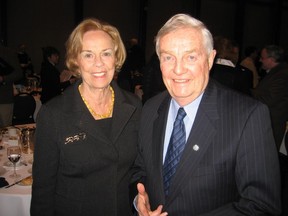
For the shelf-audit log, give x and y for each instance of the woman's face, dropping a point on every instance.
(97, 59)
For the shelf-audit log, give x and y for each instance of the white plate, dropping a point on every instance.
(9, 165)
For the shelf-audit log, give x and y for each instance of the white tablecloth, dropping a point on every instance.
(15, 201)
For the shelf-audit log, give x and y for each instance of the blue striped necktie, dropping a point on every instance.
(175, 149)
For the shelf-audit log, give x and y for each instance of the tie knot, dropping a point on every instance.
(181, 114)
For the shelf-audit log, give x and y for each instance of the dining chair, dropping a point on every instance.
(24, 107)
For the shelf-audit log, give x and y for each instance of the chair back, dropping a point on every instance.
(24, 108)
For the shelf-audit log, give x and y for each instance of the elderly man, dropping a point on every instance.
(221, 158)
(273, 89)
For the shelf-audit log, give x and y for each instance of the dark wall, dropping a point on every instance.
(38, 24)
(249, 22)
(41, 23)
(123, 14)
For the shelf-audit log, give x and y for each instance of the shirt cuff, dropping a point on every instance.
(135, 203)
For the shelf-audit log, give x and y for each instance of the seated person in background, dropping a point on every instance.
(10, 72)
(225, 69)
(51, 80)
(25, 61)
(251, 56)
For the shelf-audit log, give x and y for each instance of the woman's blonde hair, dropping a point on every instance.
(75, 42)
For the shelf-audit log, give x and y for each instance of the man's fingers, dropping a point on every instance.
(141, 188)
(143, 204)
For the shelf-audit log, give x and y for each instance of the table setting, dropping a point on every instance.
(16, 159)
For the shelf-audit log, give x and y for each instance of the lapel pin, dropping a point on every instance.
(195, 147)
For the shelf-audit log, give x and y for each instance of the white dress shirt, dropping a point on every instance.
(190, 109)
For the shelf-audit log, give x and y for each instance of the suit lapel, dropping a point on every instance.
(120, 119)
(200, 138)
(158, 141)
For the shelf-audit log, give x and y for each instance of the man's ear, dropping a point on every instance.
(211, 58)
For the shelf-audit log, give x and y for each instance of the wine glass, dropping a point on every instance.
(14, 155)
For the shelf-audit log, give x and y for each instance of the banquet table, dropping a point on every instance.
(15, 200)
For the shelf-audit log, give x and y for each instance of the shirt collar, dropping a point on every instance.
(189, 108)
(224, 62)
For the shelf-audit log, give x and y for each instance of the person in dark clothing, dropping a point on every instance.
(226, 69)
(249, 62)
(87, 138)
(239, 79)
(131, 70)
(272, 90)
(50, 75)
(152, 78)
(10, 72)
(220, 143)
(25, 61)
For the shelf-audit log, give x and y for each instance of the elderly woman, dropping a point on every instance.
(86, 139)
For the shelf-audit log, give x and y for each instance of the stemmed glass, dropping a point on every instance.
(14, 155)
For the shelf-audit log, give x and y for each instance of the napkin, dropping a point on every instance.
(3, 182)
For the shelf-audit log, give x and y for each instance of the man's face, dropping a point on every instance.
(267, 62)
(54, 58)
(185, 64)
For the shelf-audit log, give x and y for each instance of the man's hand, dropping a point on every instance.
(143, 204)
